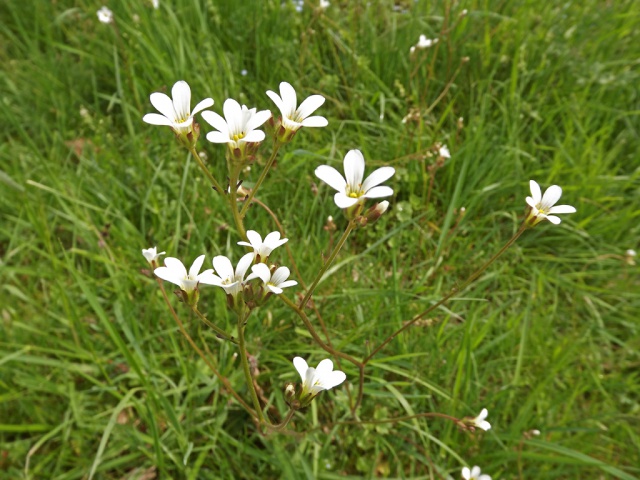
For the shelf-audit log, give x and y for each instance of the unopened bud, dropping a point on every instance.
(289, 392)
(375, 212)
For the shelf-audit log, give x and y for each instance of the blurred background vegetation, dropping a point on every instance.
(95, 378)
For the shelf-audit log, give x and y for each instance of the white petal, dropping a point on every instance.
(164, 105)
(466, 473)
(324, 367)
(475, 471)
(280, 275)
(181, 94)
(261, 271)
(342, 201)
(334, 379)
(483, 414)
(176, 265)
(156, 119)
(209, 278)
(216, 121)
(310, 105)
(217, 137)
(274, 289)
(197, 265)
(243, 265)
(165, 273)
(354, 168)
(206, 103)
(379, 192)
(484, 477)
(254, 238)
(377, 177)
(289, 98)
(562, 209)
(301, 366)
(531, 202)
(553, 219)
(258, 119)
(484, 425)
(233, 115)
(223, 267)
(254, 136)
(315, 122)
(288, 283)
(551, 196)
(331, 177)
(536, 194)
(273, 240)
(277, 100)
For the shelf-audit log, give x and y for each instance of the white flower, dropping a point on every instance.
(543, 206)
(480, 421)
(293, 118)
(631, 253)
(105, 15)
(175, 272)
(274, 283)
(315, 380)
(474, 474)
(263, 249)
(176, 113)
(238, 125)
(443, 151)
(424, 42)
(353, 189)
(151, 254)
(244, 72)
(155, 3)
(324, 4)
(231, 281)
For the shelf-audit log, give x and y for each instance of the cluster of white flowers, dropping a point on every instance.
(423, 42)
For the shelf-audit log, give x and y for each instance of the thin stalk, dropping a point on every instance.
(455, 290)
(328, 263)
(206, 171)
(245, 365)
(221, 333)
(263, 175)
(285, 422)
(233, 201)
(224, 381)
(402, 419)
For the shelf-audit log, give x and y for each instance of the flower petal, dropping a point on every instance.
(536, 194)
(217, 137)
(223, 267)
(331, 177)
(197, 265)
(377, 177)
(206, 103)
(531, 202)
(181, 94)
(301, 366)
(551, 196)
(209, 278)
(233, 116)
(277, 100)
(216, 121)
(310, 105)
(379, 192)
(466, 473)
(176, 265)
(166, 273)
(562, 209)
(324, 368)
(274, 289)
(289, 98)
(243, 265)
(261, 271)
(164, 105)
(315, 122)
(553, 219)
(354, 168)
(254, 238)
(342, 201)
(258, 119)
(254, 136)
(334, 379)
(156, 119)
(280, 275)
(288, 283)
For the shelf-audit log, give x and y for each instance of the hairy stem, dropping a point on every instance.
(221, 333)
(206, 171)
(263, 175)
(245, 364)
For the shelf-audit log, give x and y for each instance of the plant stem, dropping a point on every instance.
(285, 422)
(328, 263)
(245, 364)
(263, 175)
(206, 171)
(224, 381)
(233, 200)
(221, 333)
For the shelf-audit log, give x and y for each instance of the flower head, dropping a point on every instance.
(352, 189)
(261, 249)
(543, 206)
(443, 152)
(480, 421)
(232, 281)
(474, 474)
(292, 116)
(105, 15)
(315, 380)
(275, 282)
(152, 255)
(175, 272)
(238, 127)
(424, 42)
(324, 4)
(155, 3)
(177, 113)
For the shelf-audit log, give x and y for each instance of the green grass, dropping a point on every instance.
(94, 374)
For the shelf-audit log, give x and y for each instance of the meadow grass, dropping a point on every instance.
(95, 378)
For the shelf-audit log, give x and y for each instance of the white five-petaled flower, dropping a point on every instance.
(474, 474)
(151, 254)
(352, 189)
(105, 15)
(232, 281)
(480, 421)
(443, 152)
(293, 118)
(274, 283)
(542, 206)
(176, 113)
(238, 126)
(175, 272)
(263, 249)
(315, 380)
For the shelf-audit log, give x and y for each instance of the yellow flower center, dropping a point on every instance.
(238, 136)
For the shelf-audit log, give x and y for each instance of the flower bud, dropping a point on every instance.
(289, 392)
(375, 212)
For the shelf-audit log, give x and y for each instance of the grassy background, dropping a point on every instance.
(94, 375)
